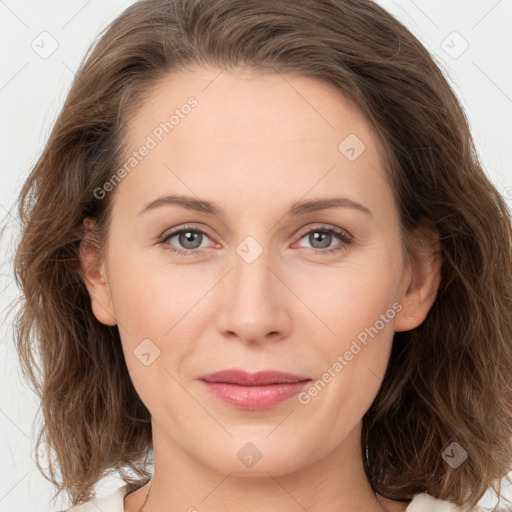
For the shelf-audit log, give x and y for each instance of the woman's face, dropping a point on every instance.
(263, 166)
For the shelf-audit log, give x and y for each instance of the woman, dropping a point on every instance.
(259, 248)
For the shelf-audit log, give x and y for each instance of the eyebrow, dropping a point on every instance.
(296, 209)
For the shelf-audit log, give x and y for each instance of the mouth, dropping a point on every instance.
(252, 391)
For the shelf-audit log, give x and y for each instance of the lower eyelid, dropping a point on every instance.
(339, 247)
(172, 234)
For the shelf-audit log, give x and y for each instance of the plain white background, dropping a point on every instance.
(42, 44)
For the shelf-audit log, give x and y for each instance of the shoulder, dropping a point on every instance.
(113, 502)
(425, 503)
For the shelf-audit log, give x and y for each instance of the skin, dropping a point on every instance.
(255, 144)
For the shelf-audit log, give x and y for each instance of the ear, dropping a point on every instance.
(94, 276)
(422, 278)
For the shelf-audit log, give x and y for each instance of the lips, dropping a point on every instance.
(244, 378)
(261, 390)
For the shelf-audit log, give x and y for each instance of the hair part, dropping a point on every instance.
(447, 380)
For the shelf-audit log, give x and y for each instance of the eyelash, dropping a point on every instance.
(341, 234)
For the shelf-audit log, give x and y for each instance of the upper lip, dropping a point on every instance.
(244, 378)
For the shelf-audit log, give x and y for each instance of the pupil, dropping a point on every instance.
(187, 238)
(318, 236)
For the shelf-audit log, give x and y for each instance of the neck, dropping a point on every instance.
(336, 481)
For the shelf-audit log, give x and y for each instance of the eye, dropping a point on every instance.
(189, 240)
(188, 237)
(321, 238)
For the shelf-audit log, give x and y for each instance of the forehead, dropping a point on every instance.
(245, 98)
(239, 130)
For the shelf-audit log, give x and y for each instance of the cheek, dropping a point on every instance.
(151, 304)
(357, 306)
(163, 303)
(150, 298)
(343, 301)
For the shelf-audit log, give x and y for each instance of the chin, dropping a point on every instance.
(259, 455)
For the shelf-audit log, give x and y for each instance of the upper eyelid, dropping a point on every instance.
(173, 231)
(325, 227)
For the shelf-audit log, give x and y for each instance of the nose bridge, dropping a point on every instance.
(253, 305)
(251, 276)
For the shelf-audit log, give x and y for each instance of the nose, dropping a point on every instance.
(254, 301)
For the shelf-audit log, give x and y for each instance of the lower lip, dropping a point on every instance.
(254, 397)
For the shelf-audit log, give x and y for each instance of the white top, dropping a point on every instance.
(114, 503)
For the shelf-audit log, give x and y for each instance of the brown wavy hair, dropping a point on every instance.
(447, 380)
